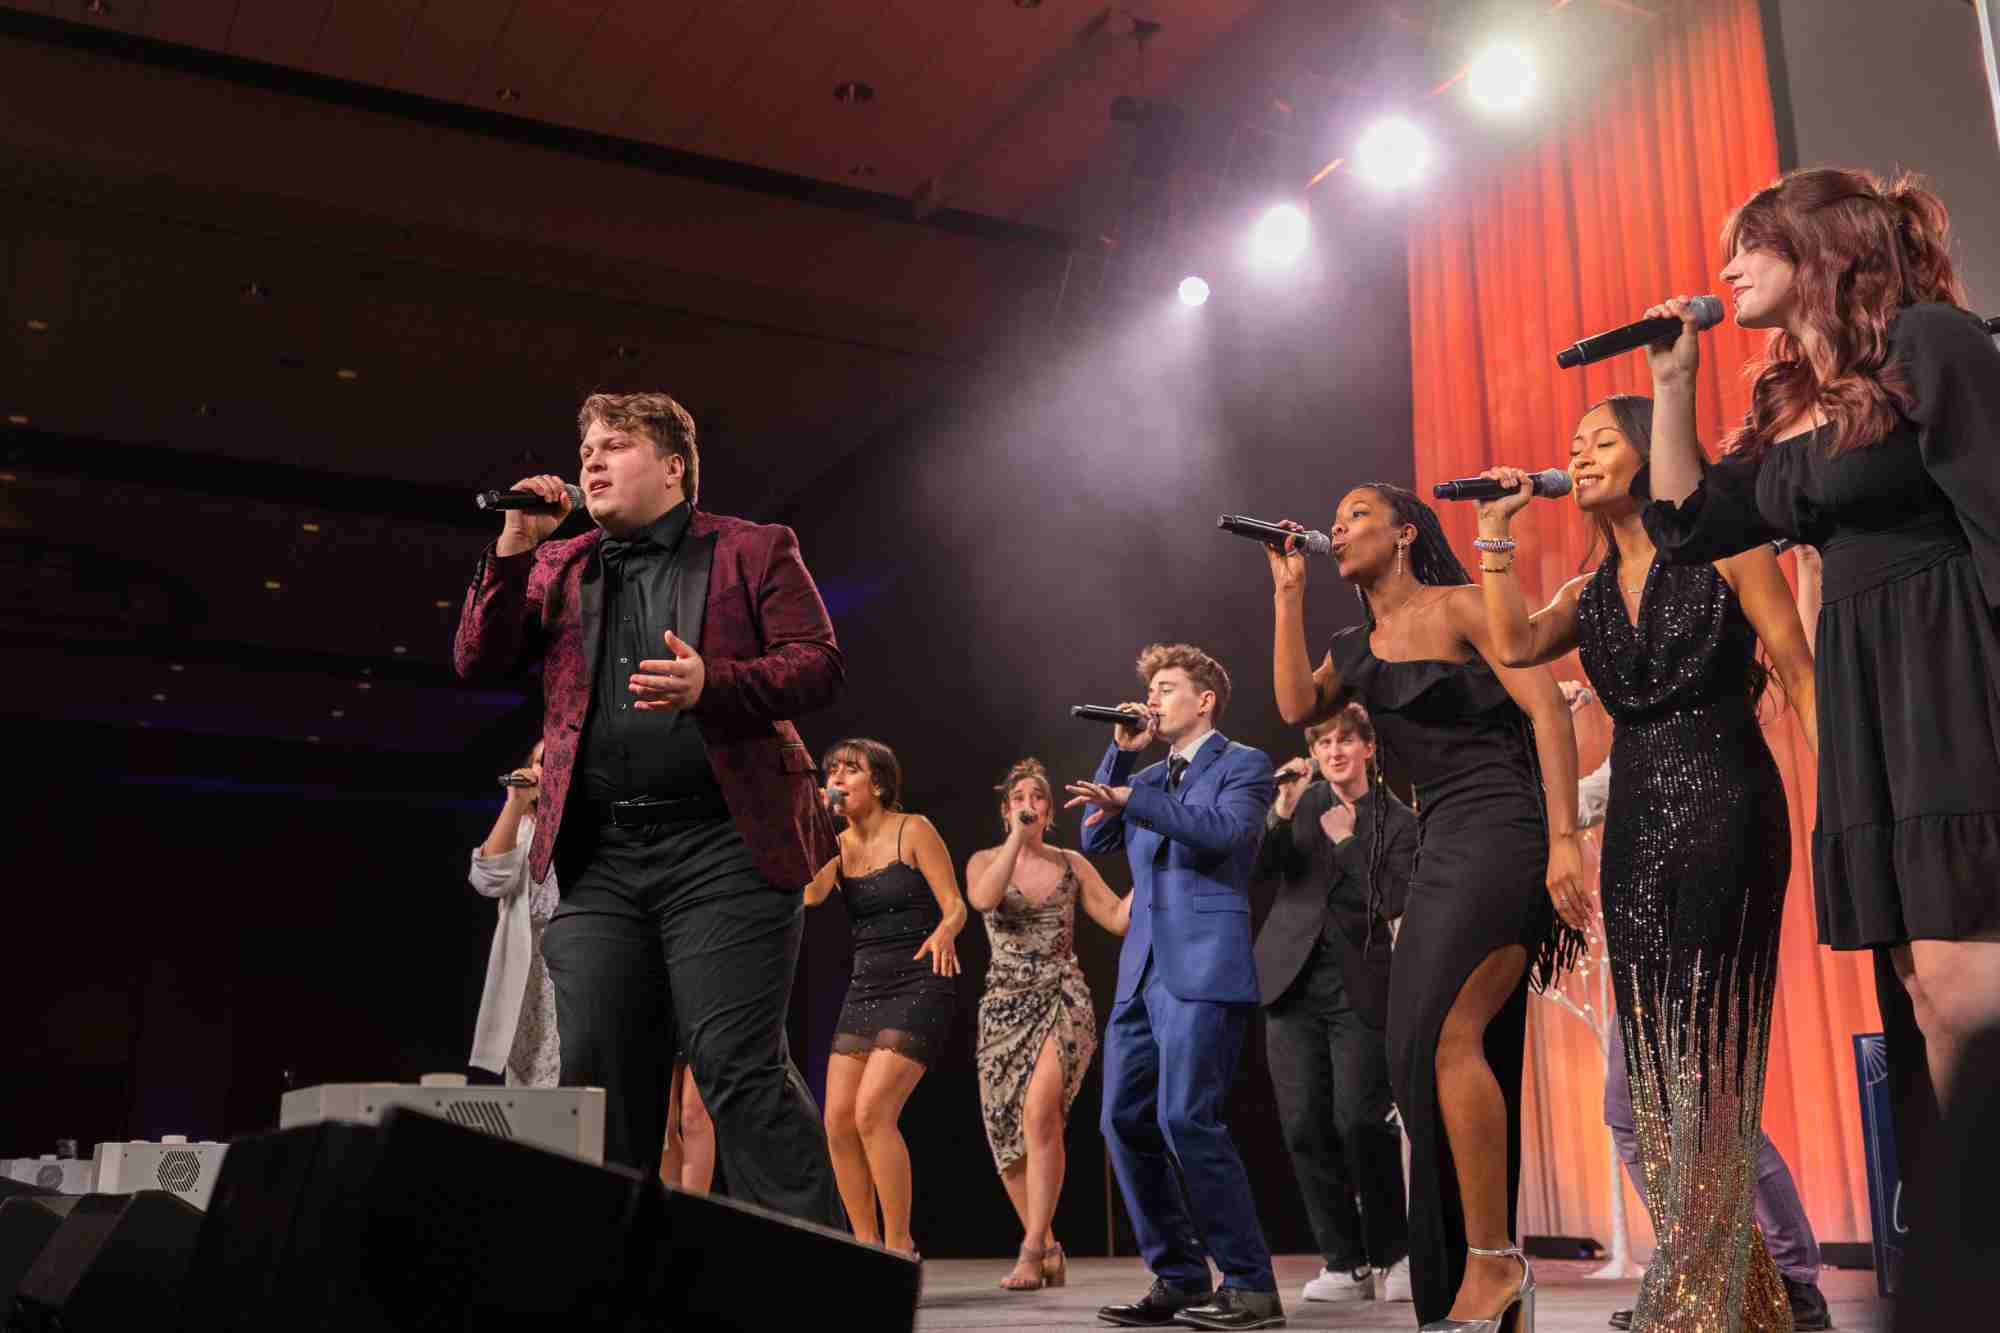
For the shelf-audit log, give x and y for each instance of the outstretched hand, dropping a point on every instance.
(1108, 800)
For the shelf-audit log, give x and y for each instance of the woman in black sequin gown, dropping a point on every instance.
(1697, 853)
(1498, 858)
(1874, 435)
(902, 896)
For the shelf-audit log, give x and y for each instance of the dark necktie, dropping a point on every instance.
(1176, 768)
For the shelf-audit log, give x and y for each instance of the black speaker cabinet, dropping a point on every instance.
(115, 1263)
(420, 1224)
(28, 1221)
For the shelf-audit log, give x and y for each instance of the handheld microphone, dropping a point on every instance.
(1285, 777)
(836, 798)
(1599, 347)
(516, 780)
(1272, 534)
(1117, 716)
(528, 500)
(1550, 481)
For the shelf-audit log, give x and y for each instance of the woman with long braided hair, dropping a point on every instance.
(1493, 759)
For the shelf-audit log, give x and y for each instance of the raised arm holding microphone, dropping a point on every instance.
(1697, 850)
(1500, 860)
(1873, 434)
(1186, 985)
(676, 796)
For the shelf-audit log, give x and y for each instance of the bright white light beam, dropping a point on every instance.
(1393, 154)
(1280, 237)
(1502, 79)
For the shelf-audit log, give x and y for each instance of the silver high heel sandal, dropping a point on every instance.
(1517, 1316)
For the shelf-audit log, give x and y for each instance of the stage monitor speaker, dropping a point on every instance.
(28, 1219)
(421, 1224)
(413, 1224)
(709, 1267)
(115, 1263)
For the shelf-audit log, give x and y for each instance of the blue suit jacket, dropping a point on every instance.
(1191, 913)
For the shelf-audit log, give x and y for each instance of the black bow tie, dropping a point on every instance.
(1176, 769)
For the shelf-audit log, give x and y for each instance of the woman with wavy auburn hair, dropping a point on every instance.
(1873, 434)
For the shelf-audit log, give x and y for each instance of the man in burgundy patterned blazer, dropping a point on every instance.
(678, 803)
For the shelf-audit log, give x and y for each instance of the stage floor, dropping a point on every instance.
(960, 1294)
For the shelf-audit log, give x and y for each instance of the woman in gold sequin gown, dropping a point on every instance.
(1037, 1027)
(1697, 853)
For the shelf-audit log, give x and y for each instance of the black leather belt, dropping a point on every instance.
(645, 811)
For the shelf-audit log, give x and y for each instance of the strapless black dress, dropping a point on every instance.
(1479, 885)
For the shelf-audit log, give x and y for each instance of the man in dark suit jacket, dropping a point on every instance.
(677, 799)
(1323, 971)
(1186, 985)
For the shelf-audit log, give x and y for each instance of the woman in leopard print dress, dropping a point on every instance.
(1037, 1028)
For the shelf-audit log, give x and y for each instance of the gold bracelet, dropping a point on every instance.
(1507, 568)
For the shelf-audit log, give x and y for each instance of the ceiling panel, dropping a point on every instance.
(279, 32)
(448, 40)
(203, 23)
(621, 54)
(363, 40)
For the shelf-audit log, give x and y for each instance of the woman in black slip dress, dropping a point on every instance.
(1697, 853)
(1498, 846)
(1874, 435)
(902, 896)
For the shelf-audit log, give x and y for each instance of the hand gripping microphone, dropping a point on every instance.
(1551, 481)
(1601, 346)
(1273, 534)
(1115, 716)
(528, 500)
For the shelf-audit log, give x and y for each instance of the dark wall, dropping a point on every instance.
(1010, 555)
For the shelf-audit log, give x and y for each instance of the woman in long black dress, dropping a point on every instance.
(1873, 434)
(1498, 842)
(1696, 858)
(903, 899)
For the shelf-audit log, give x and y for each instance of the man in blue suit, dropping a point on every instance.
(1187, 984)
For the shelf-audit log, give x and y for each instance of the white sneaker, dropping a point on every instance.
(1332, 1286)
(1393, 1282)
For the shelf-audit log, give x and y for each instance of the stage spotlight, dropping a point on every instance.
(1502, 78)
(1193, 291)
(1392, 154)
(1280, 237)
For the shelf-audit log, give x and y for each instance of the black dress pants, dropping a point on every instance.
(1330, 1071)
(669, 939)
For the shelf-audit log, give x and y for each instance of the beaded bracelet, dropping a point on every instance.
(1495, 544)
(1507, 568)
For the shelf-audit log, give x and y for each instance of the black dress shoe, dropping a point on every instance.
(1155, 1309)
(1236, 1308)
(1809, 1312)
(1621, 1319)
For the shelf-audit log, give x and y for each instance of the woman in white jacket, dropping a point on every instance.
(515, 1035)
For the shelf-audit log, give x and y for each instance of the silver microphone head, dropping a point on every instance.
(1552, 481)
(1315, 542)
(836, 798)
(1707, 311)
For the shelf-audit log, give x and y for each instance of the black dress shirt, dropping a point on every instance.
(628, 752)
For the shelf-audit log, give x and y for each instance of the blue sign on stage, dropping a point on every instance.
(1878, 1136)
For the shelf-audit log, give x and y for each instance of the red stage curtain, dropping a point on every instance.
(1601, 219)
